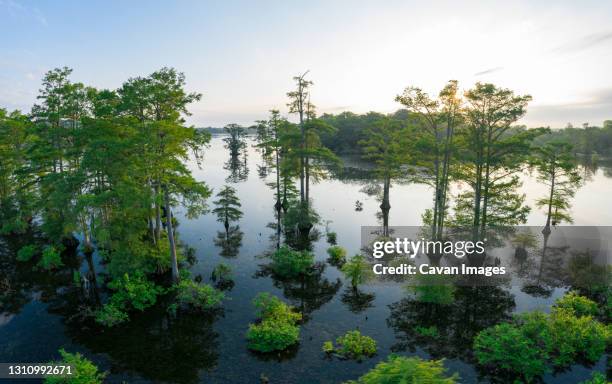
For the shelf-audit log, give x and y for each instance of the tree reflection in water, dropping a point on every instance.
(448, 330)
(155, 344)
(229, 241)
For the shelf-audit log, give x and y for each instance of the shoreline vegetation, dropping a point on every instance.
(99, 171)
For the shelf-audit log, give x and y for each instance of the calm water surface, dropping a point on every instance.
(212, 348)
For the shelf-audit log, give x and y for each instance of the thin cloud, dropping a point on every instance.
(487, 71)
(16, 9)
(595, 108)
(583, 43)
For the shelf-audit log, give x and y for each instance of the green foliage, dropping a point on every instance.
(332, 238)
(83, 370)
(354, 345)
(288, 263)
(131, 292)
(507, 348)
(198, 296)
(278, 327)
(596, 378)
(576, 337)
(269, 336)
(135, 291)
(337, 255)
(271, 307)
(409, 370)
(557, 168)
(536, 341)
(50, 259)
(328, 347)
(227, 206)
(26, 253)
(357, 270)
(110, 315)
(579, 305)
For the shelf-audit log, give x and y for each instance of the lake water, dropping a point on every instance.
(212, 348)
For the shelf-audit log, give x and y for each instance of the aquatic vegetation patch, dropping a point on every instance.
(288, 263)
(337, 255)
(400, 369)
(535, 342)
(277, 329)
(352, 345)
(197, 296)
(83, 370)
(357, 270)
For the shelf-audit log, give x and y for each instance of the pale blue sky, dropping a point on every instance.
(242, 54)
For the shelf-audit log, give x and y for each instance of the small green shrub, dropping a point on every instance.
(579, 305)
(270, 335)
(289, 263)
(505, 347)
(332, 238)
(135, 291)
(328, 347)
(26, 253)
(50, 259)
(409, 370)
(536, 340)
(337, 255)
(278, 327)
(110, 315)
(357, 270)
(271, 307)
(197, 296)
(356, 346)
(574, 337)
(83, 370)
(596, 378)
(131, 292)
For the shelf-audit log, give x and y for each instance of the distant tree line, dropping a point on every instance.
(351, 127)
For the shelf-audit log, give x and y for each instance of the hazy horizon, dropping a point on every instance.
(242, 55)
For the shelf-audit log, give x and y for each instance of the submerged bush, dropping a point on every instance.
(505, 347)
(278, 327)
(287, 262)
(353, 345)
(328, 347)
(337, 255)
(26, 253)
(135, 291)
(50, 259)
(576, 337)
(83, 370)
(536, 341)
(111, 315)
(269, 336)
(596, 378)
(435, 289)
(409, 370)
(579, 305)
(357, 270)
(131, 292)
(198, 296)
